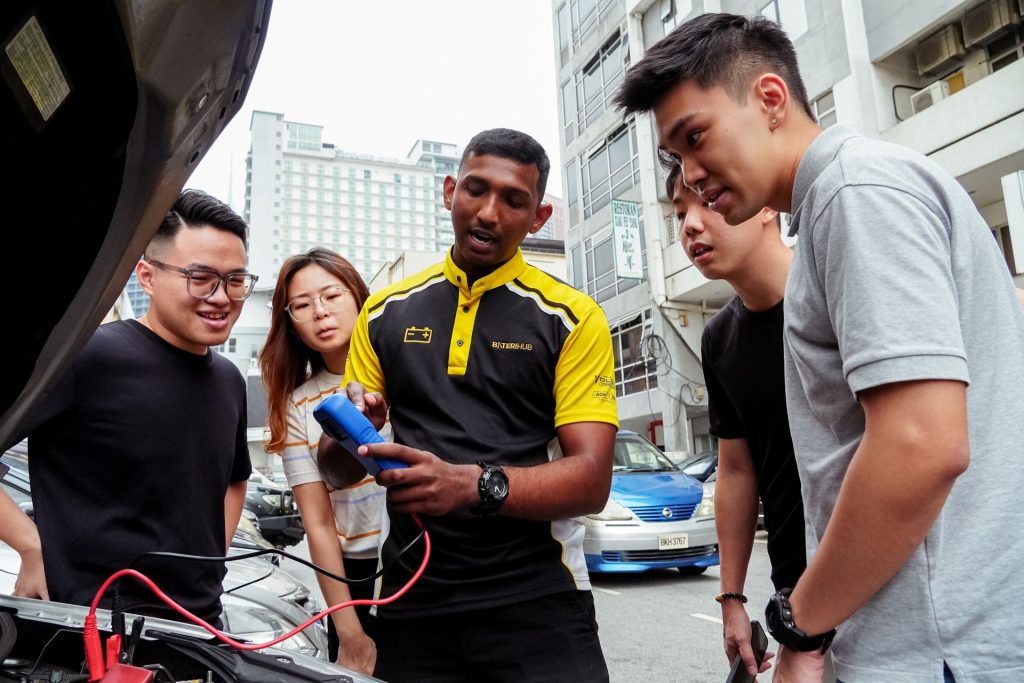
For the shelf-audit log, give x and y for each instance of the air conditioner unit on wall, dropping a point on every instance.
(922, 99)
(939, 51)
(988, 21)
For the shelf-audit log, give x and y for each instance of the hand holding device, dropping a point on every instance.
(759, 644)
(345, 424)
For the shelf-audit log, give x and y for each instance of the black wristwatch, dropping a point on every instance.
(779, 618)
(493, 489)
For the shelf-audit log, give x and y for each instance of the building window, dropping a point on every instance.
(564, 31)
(1006, 50)
(824, 109)
(601, 281)
(609, 169)
(569, 110)
(586, 15)
(791, 15)
(702, 443)
(672, 13)
(572, 181)
(598, 81)
(576, 273)
(635, 371)
(366, 174)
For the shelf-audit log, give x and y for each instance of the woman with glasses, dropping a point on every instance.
(314, 308)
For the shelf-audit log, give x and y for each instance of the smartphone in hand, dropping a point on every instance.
(759, 644)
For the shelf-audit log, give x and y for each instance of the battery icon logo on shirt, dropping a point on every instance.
(417, 335)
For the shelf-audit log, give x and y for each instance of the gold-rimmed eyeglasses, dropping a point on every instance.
(303, 308)
(202, 283)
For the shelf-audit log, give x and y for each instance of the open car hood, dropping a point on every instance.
(106, 107)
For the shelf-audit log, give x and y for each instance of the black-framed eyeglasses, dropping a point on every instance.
(303, 308)
(202, 283)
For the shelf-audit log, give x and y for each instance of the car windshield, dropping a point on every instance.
(635, 454)
(697, 465)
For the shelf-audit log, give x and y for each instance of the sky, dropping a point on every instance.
(380, 75)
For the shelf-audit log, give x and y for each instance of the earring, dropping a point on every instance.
(774, 121)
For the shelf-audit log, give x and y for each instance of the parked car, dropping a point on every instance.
(700, 466)
(272, 509)
(16, 456)
(656, 516)
(108, 108)
(712, 481)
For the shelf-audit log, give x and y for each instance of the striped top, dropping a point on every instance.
(357, 508)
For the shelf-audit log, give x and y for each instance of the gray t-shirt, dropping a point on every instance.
(897, 278)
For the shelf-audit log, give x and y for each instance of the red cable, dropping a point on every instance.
(94, 649)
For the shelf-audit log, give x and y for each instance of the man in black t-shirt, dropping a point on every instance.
(742, 355)
(141, 446)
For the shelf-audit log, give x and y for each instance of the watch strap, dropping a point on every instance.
(489, 502)
(779, 619)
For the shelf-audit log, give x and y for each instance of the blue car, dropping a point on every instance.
(656, 517)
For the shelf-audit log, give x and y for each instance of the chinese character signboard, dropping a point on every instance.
(626, 238)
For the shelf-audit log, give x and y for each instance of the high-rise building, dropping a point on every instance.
(443, 158)
(136, 296)
(302, 192)
(554, 229)
(943, 78)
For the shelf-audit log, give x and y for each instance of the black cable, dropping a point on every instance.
(43, 651)
(247, 583)
(654, 346)
(276, 551)
(160, 669)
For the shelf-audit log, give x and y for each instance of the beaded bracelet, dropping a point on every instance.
(722, 597)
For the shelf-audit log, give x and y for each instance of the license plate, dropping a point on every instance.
(673, 541)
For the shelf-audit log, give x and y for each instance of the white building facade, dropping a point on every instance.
(945, 78)
(302, 192)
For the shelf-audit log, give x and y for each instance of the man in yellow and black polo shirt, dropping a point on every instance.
(499, 380)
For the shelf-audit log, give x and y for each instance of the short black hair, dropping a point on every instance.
(196, 209)
(511, 144)
(725, 50)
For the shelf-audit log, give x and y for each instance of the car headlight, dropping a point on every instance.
(612, 512)
(707, 504)
(258, 624)
(272, 499)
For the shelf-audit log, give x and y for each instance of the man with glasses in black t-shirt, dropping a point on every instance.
(141, 445)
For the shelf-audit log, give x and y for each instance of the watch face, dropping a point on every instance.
(497, 485)
(500, 487)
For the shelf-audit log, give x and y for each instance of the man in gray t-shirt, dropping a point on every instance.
(888, 319)
(905, 366)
